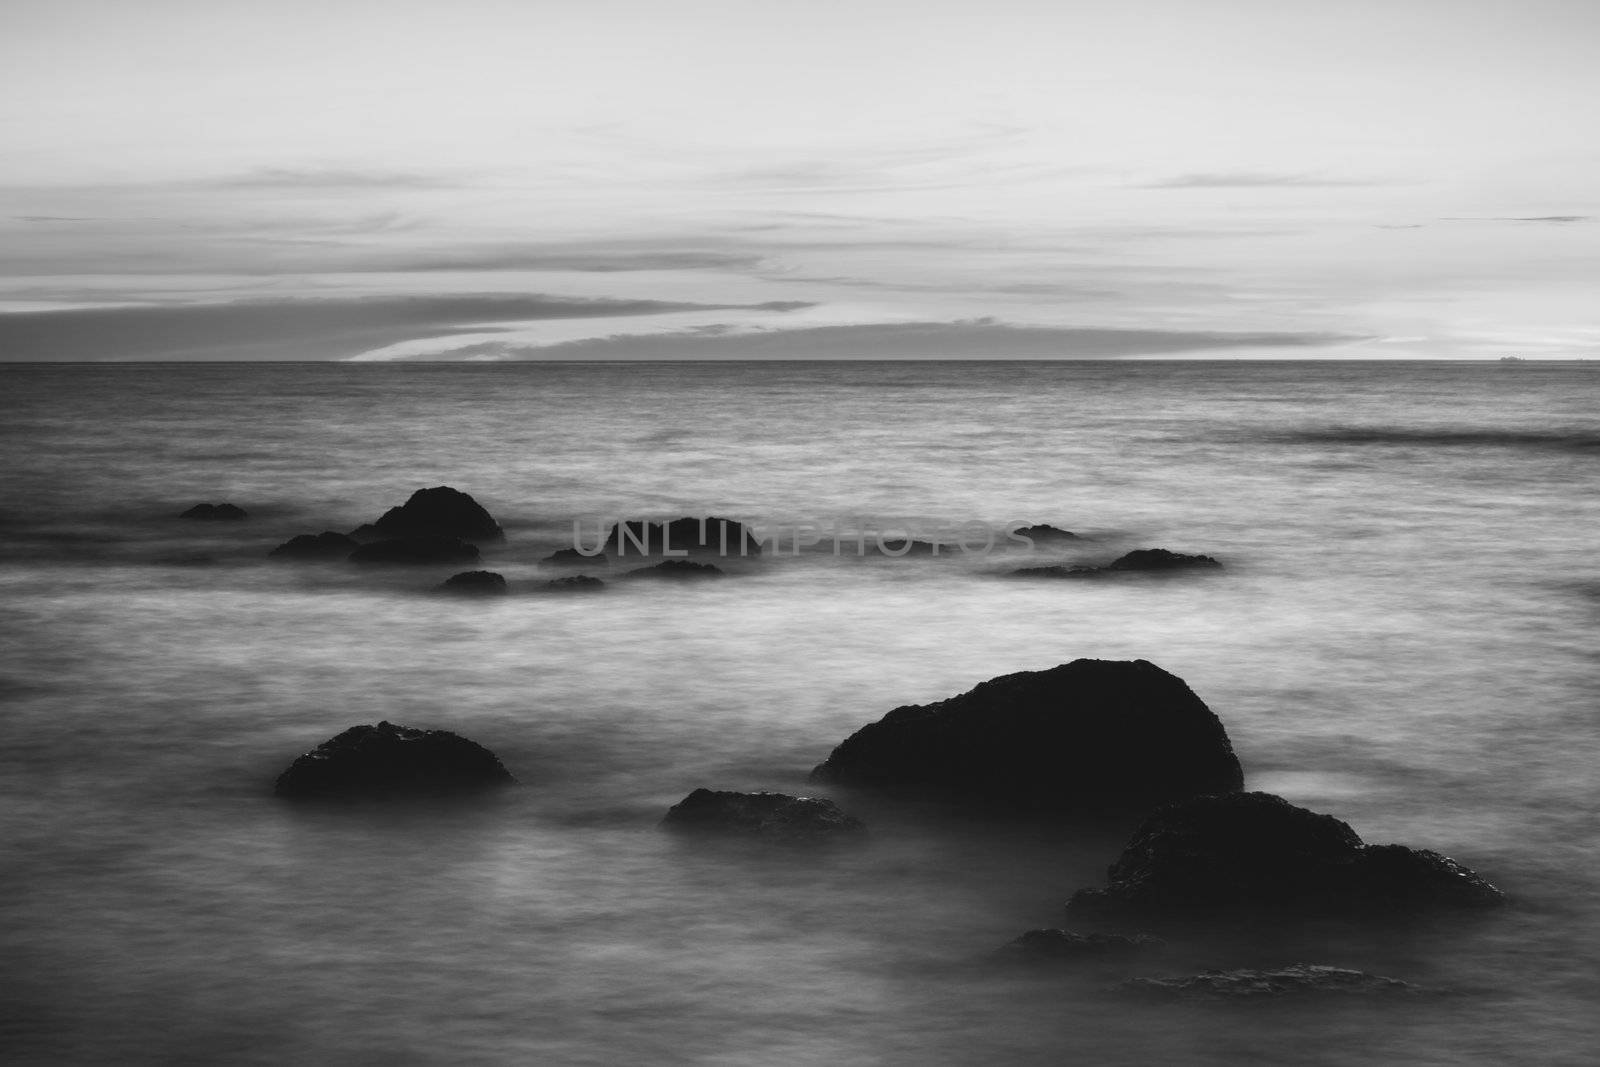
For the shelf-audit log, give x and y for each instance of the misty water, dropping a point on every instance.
(1404, 636)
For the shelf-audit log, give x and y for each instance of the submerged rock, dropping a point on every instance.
(900, 546)
(437, 512)
(328, 544)
(1045, 533)
(571, 557)
(1256, 852)
(1066, 945)
(1297, 979)
(723, 537)
(771, 816)
(1140, 560)
(473, 583)
(390, 760)
(1087, 735)
(215, 513)
(416, 550)
(578, 583)
(677, 569)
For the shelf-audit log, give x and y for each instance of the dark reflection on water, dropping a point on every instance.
(1408, 645)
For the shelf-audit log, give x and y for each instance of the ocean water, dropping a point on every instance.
(1404, 636)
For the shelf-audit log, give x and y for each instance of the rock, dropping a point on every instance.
(1159, 559)
(578, 583)
(678, 570)
(896, 547)
(473, 583)
(1089, 735)
(390, 760)
(724, 537)
(1056, 570)
(438, 512)
(1297, 979)
(326, 545)
(571, 557)
(416, 550)
(215, 513)
(770, 816)
(1045, 534)
(1066, 945)
(1255, 853)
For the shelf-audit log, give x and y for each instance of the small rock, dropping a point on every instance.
(770, 816)
(473, 583)
(677, 569)
(326, 545)
(571, 557)
(1297, 979)
(416, 550)
(578, 583)
(389, 760)
(1159, 559)
(215, 513)
(1045, 534)
(1066, 945)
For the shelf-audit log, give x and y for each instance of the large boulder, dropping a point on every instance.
(473, 583)
(215, 513)
(328, 544)
(1295, 980)
(416, 550)
(718, 536)
(1088, 735)
(389, 760)
(437, 512)
(1255, 853)
(770, 816)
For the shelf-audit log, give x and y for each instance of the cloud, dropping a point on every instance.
(296, 329)
(1251, 180)
(970, 339)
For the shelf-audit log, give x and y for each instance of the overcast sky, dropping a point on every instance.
(628, 178)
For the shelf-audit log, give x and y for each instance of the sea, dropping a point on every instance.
(1404, 635)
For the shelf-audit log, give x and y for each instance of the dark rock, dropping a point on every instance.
(1255, 853)
(1159, 559)
(1066, 945)
(901, 547)
(578, 583)
(390, 760)
(473, 583)
(1045, 534)
(438, 512)
(1056, 570)
(571, 557)
(215, 513)
(677, 569)
(1297, 979)
(1089, 735)
(416, 550)
(771, 816)
(723, 537)
(325, 545)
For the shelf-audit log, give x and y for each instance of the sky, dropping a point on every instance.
(487, 180)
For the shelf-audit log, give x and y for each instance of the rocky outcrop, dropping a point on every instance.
(1295, 980)
(473, 583)
(713, 535)
(1089, 735)
(326, 545)
(1064, 945)
(437, 512)
(392, 761)
(1045, 534)
(677, 570)
(1257, 853)
(215, 513)
(770, 816)
(416, 550)
(1141, 560)
(578, 583)
(571, 557)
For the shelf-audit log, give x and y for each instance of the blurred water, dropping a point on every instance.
(1404, 637)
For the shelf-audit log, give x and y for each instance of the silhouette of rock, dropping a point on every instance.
(723, 537)
(901, 547)
(678, 570)
(473, 583)
(1142, 560)
(390, 760)
(1088, 735)
(1056, 570)
(771, 816)
(438, 512)
(326, 545)
(571, 557)
(578, 583)
(1256, 852)
(215, 513)
(416, 550)
(1045, 534)
(1066, 945)
(1297, 979)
